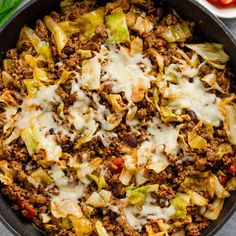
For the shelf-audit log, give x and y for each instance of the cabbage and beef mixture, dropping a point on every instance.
(117, 120)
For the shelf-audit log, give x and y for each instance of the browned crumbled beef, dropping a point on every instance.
(32, 201)
(76, 11)
(41, 30)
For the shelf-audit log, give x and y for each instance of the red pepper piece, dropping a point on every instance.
(28, 208)
(116, 166)
(223, 180)
(232, 168)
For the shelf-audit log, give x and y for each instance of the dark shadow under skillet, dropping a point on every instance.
(208, 27)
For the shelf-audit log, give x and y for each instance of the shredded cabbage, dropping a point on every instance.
(90, 21)
(210, 52)
(39, 177)
(180, 203)
(31, 140)
(82, 226)
(195, 141)
(6, 175)
(117, 27)
(41, 47)
(176, 33)
(143, 25)
(231, 184)
(100, 229)
(219, 189)
(59, 35)
(215, 209)
(196, 198)
(137, 196)
(66, 208)
(91, 70)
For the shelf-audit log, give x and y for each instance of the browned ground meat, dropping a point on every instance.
(33, 199)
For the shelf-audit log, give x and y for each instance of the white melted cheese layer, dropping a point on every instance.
(124, 71)
(194, 96)
(67, 190)
(149, 211)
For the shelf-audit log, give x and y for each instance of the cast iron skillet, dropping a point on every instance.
(208, 26)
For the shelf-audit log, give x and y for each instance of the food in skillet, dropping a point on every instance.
(117, 120)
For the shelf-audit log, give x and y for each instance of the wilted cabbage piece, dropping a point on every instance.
(220, 191)
(228, 109)
(7, 64)
(41, 47)
(39, 177)
(96, 200)
(6, 175)
(210, 52)
(58, 34)
(91, 72)
(230, 123)
(125, 176)
(7, 79)
(168, 116)
(136, 46)
(40, 75)
(64, 77)
(100, 181)
(45, 217)
(176, 33)
(180, 203)
(32, 86)
(82, 226)
(117, 103)
(210, 79)
(138, 91)
(31, 140)
(137, 196)
(159, 58)
(90, 21)
(70, 27)
(66, 5)
(66, 208)
(143, 25)
(202, 182)
(101, 231)
(196, 198)
(117, 27)
(195, 141)
(214, 211)
(231, 184)
(223, 149)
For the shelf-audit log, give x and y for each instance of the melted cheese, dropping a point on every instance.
(124, 72)
(194, 96)
(149, 211)
(164, 136)
(67, 190)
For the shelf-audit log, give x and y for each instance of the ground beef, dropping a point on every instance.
(41, 30)
(128, 138)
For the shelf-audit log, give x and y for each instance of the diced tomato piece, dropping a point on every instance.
(116, 165)
(223, 180)
(232, 168)
(28, 208)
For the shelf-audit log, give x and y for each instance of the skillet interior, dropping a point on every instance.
(208, 26)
